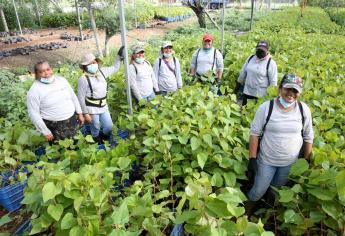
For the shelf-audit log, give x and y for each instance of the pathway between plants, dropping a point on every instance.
(76, 49)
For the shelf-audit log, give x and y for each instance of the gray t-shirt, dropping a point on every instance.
(282, 139)
(254, 76)
(206, 62)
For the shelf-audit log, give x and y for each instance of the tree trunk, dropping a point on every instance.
(3, 18)
(17, 17)
(201, 20)
(79, 21)
(106, 44)
(198, 9)
(38, 13)
(94, 28)
(303, 5)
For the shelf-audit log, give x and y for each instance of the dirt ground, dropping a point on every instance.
(75, 49)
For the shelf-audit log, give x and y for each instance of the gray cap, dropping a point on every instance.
(137, 49)
(166, 44)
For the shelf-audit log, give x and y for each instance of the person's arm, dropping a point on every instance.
(156, 68)
(253, 146)
(33, 104)
(108, 71)
(132, 78)
(273, 73)
(256, 128)
(243, 74)
(154, 79)
(193, 64)
(178, 74)
(82, 90)
(308, 133)
(76, 104)
(219, 65)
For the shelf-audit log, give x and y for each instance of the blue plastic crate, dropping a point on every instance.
(11, 196)
(25, 227)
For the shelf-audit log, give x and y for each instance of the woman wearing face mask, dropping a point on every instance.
(141, 75)
(207, 59)
(92, 94)
(284, 126)
(52, 104)
(167, 70)
(258, 73)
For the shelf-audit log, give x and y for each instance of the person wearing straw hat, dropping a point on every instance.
(258, 73)
(207, 59)
(142, 78)
(92, 94)
(280, 133)
(167, 70)
(52, 104)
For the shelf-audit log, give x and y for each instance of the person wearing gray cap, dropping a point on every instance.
(257, 74)
(142, 78)
(280, 133)
(167, 70)
(52, 104)
(92, 94)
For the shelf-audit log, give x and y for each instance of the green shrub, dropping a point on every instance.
(26, 16)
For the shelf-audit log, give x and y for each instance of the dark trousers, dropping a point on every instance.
(246, 97)
(64, 128)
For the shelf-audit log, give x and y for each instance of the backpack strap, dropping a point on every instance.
(136, 69)
(89, 83)
(270, 109)
(303, 120)
(250, 58)
(160, 62)
(196, 60)
(267, 66)
(214, 58)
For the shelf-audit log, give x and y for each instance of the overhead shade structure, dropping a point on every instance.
(124, 43)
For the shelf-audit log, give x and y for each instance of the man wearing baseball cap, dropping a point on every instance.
(207, 59)
(257, 74)
(281, 132)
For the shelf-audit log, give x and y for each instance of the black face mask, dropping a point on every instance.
(261, 53)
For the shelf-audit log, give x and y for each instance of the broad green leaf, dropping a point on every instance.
(118, 232)
(77, 231)
(290, 216)
(50, 190)
(230, 179)
(299, 167)
(207, 139)
(286, 195)
(68, 221)
(55, 211)
(340, 182)
(217, 207)
(5, 219)
(187, 215)
(217, 180)
(120, 215)
(162, 194)
(224, 145)
(195, 143)
(10, 161)
(332, 208)
(323, 194)
(124, 162)
(77, 203)
(202, 158)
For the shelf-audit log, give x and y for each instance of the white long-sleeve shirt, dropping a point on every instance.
(168, 80)
(54, 102)
(254, 76)
(99, 87)
(143, 81)
(204, 61)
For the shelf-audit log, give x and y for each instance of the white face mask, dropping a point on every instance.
(48, 80)
(167, 55)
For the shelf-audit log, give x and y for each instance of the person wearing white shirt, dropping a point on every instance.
(142, 78)
(258, 73)
(52, 104)
(167, 70)
(92, 94)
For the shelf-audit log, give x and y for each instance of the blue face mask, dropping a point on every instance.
(48, 80)
(284, 103)
(167, 55)
(139, 60)
(92, 68)
(207, 49)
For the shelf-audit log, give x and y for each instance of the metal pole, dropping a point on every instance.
(251, 16)
(38, 14)
(223, 25)
(15, 10)
(124, 43)
(135, 13)
(79, 21)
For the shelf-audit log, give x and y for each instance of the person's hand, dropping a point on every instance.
(81, 119)
(121, 53)
(49, 137)
(88, 118)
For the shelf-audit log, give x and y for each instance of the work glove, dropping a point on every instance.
(251, 169)
(121, 53)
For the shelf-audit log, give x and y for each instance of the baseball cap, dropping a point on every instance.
(207, 36)
(137, 49)
(292, 81)
(263, 44)
(166, 44)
